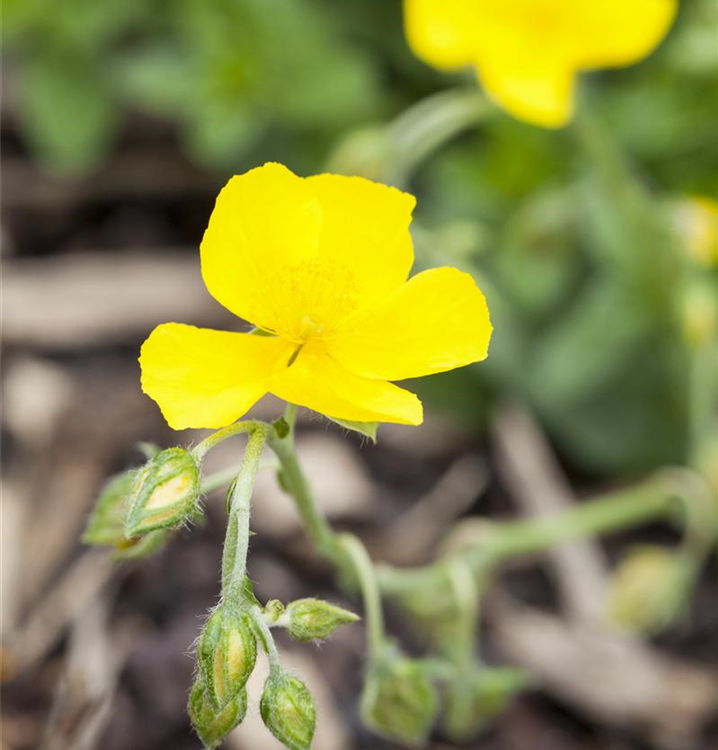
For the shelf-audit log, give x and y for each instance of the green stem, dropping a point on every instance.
(465, 590)
(238, 428)
(234, 556)
(512, 539)
(424, 127)
(366, 575)
(319, 530)
(346, 552)
(218, 479)
(264, 635)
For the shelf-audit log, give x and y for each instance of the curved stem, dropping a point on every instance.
(319, 530)
(426, 126)
(238, 428)
(364, 568)
(264, 635)
(505, 540)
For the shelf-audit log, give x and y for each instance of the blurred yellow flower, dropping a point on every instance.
(527, 52)
(696, 224)
(321, 265)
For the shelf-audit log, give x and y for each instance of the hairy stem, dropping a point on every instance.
(234, 556)
(264, 636)
(238, 428)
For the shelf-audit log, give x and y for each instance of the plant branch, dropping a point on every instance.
(234, 557)
(366, 575)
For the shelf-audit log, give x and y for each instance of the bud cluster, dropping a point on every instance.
(137, 509)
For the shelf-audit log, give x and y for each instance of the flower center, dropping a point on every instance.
(313, 295)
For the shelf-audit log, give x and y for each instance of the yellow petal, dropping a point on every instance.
(527, 52)
(618, 32)
(442, 33)
(205, 378)
(536, 90)
(365, 248)
(264, 225)
(316, 381)
(437, 321)
(295, 256)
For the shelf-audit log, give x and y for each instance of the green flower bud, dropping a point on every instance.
(212, 725)
(106, 524)
(313, 619)
(288, 710)
(227, 653)
(165, 492)
(273, 610)
(473, 701)
(140, 547)
(399, 702)
(648, 590)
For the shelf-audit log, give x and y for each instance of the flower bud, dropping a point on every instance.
(399, 702)
(227, 652)
(165, 492)
(273, 611)
(648, 590)
(140, 547)
(105, 526)
(474, 700)
(288, 710)
(313, 619)
(212, 725)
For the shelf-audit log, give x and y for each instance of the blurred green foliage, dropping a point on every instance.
(569, 232)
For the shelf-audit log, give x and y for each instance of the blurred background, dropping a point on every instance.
(596, 246)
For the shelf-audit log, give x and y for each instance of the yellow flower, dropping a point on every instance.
(695, 220)
(320, 264)
(527, 52)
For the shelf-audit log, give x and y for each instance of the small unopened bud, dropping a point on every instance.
(288, 710)
(400, 702)
(140, 547)
(213, 725)
(273, 611)
(165, 492)
(106, 524)
(313, 619)
(227, 652)
(648, 590)
(474, 700)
